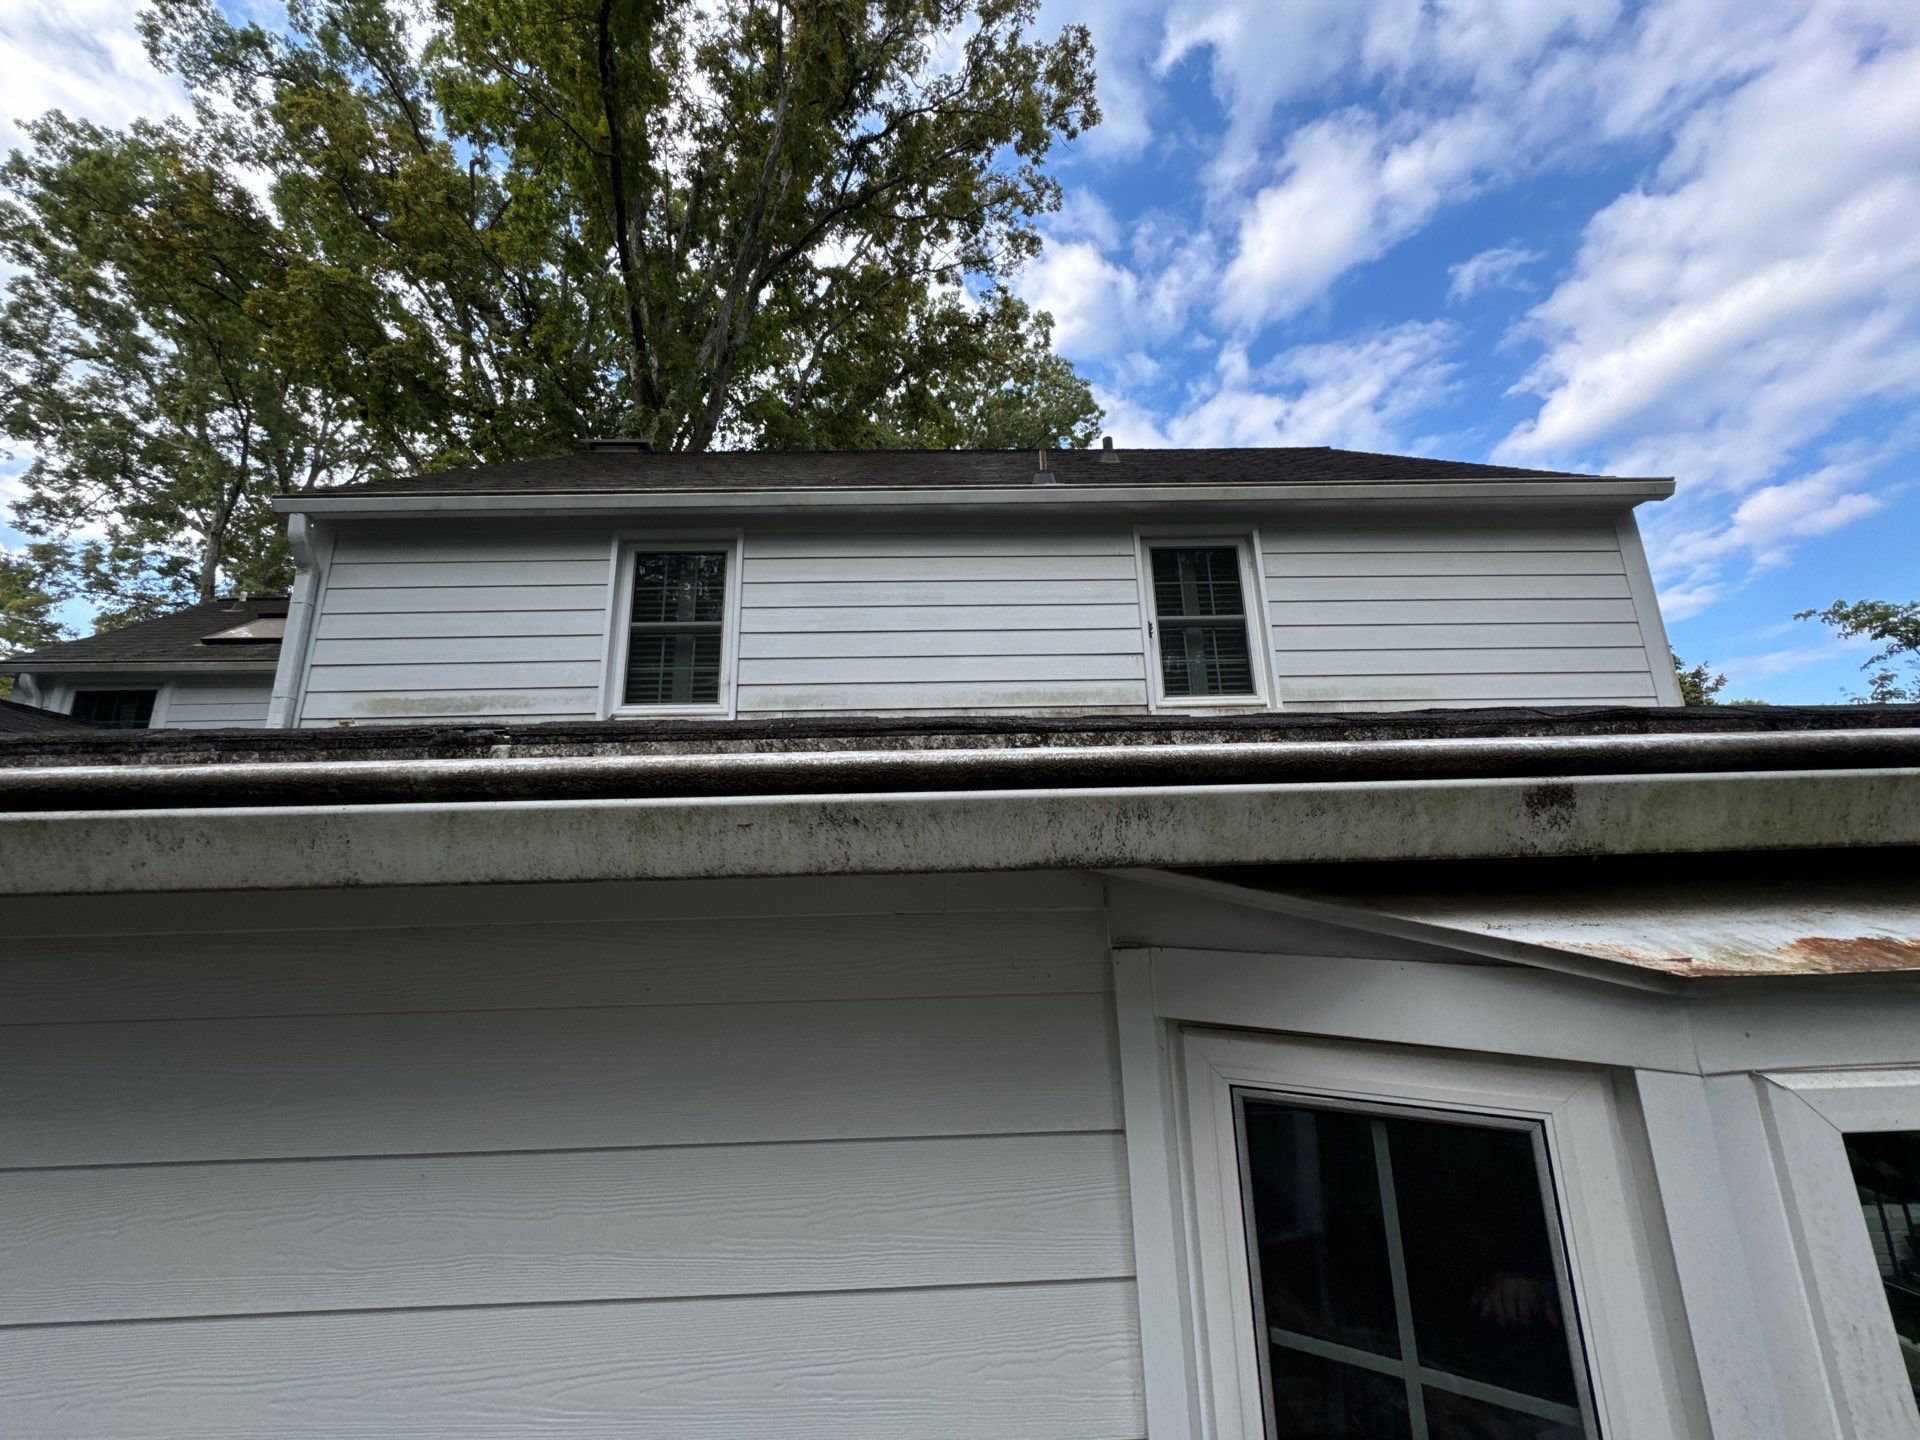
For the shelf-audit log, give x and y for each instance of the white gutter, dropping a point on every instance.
(105, 852)
(1026, 498)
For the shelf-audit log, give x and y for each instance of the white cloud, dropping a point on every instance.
(1745, 670)
(1356, 394)
(80, 56)
(1496, 269)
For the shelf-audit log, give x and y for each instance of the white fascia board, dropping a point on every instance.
(138, 669)
(254, 848)
(1024, 498)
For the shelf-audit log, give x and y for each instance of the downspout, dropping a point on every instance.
(312, 547)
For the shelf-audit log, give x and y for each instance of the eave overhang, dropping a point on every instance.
(1034, 499)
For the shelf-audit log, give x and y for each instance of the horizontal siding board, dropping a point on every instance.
(878, 618)
(1517, 689)
(516, 599)
(454, 570)
(1447, 562)
(334, 625)
(531, 674)
(524, 705)
(154, 1241)
(969, 672)
(1038, 595)
(1450, 612)
(519, 539)
(835, 644)
(188, 717)
(1523, 588)
(854, 544)
(1468, 539)
(516, 1080)
(1060, 1362)
(807, 898)
(895, 569)
(1010, 695)
(1622, 660)
(452, 649)
(1484, 636)
(494, 966)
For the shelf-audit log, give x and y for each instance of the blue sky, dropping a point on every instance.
(1673, 238)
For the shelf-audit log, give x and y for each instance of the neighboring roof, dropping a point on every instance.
(18, 719)
(177, 639)
(1748, 916)
(620, 471)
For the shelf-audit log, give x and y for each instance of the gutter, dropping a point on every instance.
(1064, 498)
(190, 784)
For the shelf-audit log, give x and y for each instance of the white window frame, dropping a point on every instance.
(1253, 595)
(1810, 1114)
(1629, 1341)
(69, 692)
(626, 545)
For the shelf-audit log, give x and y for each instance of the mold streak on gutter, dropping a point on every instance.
(67, 852)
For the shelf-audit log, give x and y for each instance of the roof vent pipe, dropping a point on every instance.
(1044, 476)
(1108, 456)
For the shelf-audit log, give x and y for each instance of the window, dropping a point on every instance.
(115, 709)
(1407, 1276)
(676, 654)
(1200, 622)
(1886, 1170)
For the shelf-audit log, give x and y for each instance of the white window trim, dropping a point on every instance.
(1628, 1340)
(1809, 1115)
(1253, 593)
(628, 543)
(69, 690)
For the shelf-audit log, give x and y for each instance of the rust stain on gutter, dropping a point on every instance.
(1807, 955)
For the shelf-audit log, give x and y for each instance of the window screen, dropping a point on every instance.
(1202, 620)
(676, 627)
(116, 709)
(1408, 1278)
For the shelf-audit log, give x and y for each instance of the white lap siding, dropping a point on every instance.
(216, 702)
(833, 1158)
(1373, 617)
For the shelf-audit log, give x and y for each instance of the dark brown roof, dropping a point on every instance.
(179, 638)
(18, 719)
(620, 470)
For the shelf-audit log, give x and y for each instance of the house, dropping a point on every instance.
(1098, 945)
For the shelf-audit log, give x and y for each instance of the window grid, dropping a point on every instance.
(1416, 1377)
(1200, 612)
(676, 628)
(115, 709)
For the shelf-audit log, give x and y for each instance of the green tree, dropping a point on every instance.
(392, 238)
(27, 621)
(142, 367)
(1893, 671)
(1698, 684)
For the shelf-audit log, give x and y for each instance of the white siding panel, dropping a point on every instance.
(1036, 593)
(949, 670)
(852, 544)
(1456, 614)
(453, 649)
(893, 569)
(878, 618)
(430, 600)
(536, 672)
(440, 573)
(523, 705)
(658, 960)
(524, 1080)
(153, 1241)
(970, 695)
(216, 702)
(836, 644)
(509, 625)
(983, 1364)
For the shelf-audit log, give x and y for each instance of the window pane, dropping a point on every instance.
(1318, 1399)
(1480, 1257)
(1205, 660)
(666, 667)
(1455, 1417)
(679, 586)
(1198, 581)
(116, 709)
(1886, 1168)
(1320, 1242)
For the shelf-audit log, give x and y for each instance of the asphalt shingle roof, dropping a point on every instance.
(18, 719)
(602, 471)
(168, 639)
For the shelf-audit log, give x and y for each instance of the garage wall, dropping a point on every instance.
(834, 1158)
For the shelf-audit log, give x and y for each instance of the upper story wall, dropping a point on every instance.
(474, 619)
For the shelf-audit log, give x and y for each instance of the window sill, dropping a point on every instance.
(670, 712)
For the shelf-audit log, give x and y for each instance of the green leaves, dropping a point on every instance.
(397, 237)
(1893, 671)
